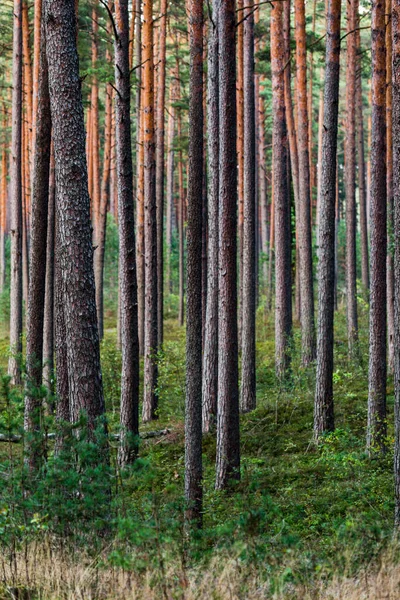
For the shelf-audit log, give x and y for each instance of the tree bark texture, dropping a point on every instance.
(323, 405)
(228, 436)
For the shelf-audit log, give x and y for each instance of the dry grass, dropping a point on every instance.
(40, 574)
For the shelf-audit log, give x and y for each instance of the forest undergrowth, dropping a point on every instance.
(304, 521)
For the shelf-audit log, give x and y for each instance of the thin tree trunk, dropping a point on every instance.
(304, 217)
(283, 291)
(324, 418)
(248, 310)
(48, 327)
(14, 367)
(377, 426)
(210, 364)
(129, 420)
(362, 190)
(389, 189)
(3, 216)
(228, 435)
(104, 198)
(94, 112)
(150, 222)
(194, 341)
(240, 148)
(170, 183)
(396, 228)
(160, 169)
(37, 286)
(350, 179)
(181, 228)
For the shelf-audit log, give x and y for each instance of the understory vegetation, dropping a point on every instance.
(300, 515)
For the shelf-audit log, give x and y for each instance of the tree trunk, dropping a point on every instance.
(377, 426)
(94, 112)
(350, 179)
(228, 435)
(73, 212)
(160, 169)
(362, 190)
(37, 286)
(210, 364)
(14, 367)
(389, 188)
(3, 207)
(170, 183)
(283, 291)
(150, 222)
(396, 229)
(240, 146)
(48, 327)
(324, 419)
(304, 217)
(127, 260)
(104, 198)
(194, 342)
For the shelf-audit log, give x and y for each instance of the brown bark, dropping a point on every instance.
(104, 198)
(160, 124)
(129, 407)
(228, 435)
(324, 419)
(362, 187)
(396, 229)
(194, 341)
(248, 258)
(210, 361)
(150, 222)
(389, 188)
(350, 178)
(139, 175)
(377, 426)
(3, 206)
(240, 145)
(181, 225)
(170, 181)
(94, 112)
(73, 213)
(48, 327)
(283, 292)
(37, 285)
(304, 218)
(16, 216)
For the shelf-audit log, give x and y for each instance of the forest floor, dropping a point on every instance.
(303, 522)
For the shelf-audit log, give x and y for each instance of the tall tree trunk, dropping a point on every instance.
(324, 419)
(396, 229)
(228, 435)
(48, 326)
(350, 178)
(139, 175)
(248, 309)
(14, 367)
(194, 341)
(181, 227)
(104, 197)
(3, 207)
(160, 169)
(150, 222)
(127, 259)
(210, 364)
(170, 183)
(283, 291)
(36, 65)
(94, 112)
(73, 212)
(389, 188)
(37, 286)
(240, 146)
(362, 189)
(294, 158)
(304, 217)
(377, 426)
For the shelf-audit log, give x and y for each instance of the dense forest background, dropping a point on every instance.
(199, 237)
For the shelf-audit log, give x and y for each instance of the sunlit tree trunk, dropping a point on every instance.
(150, 221)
